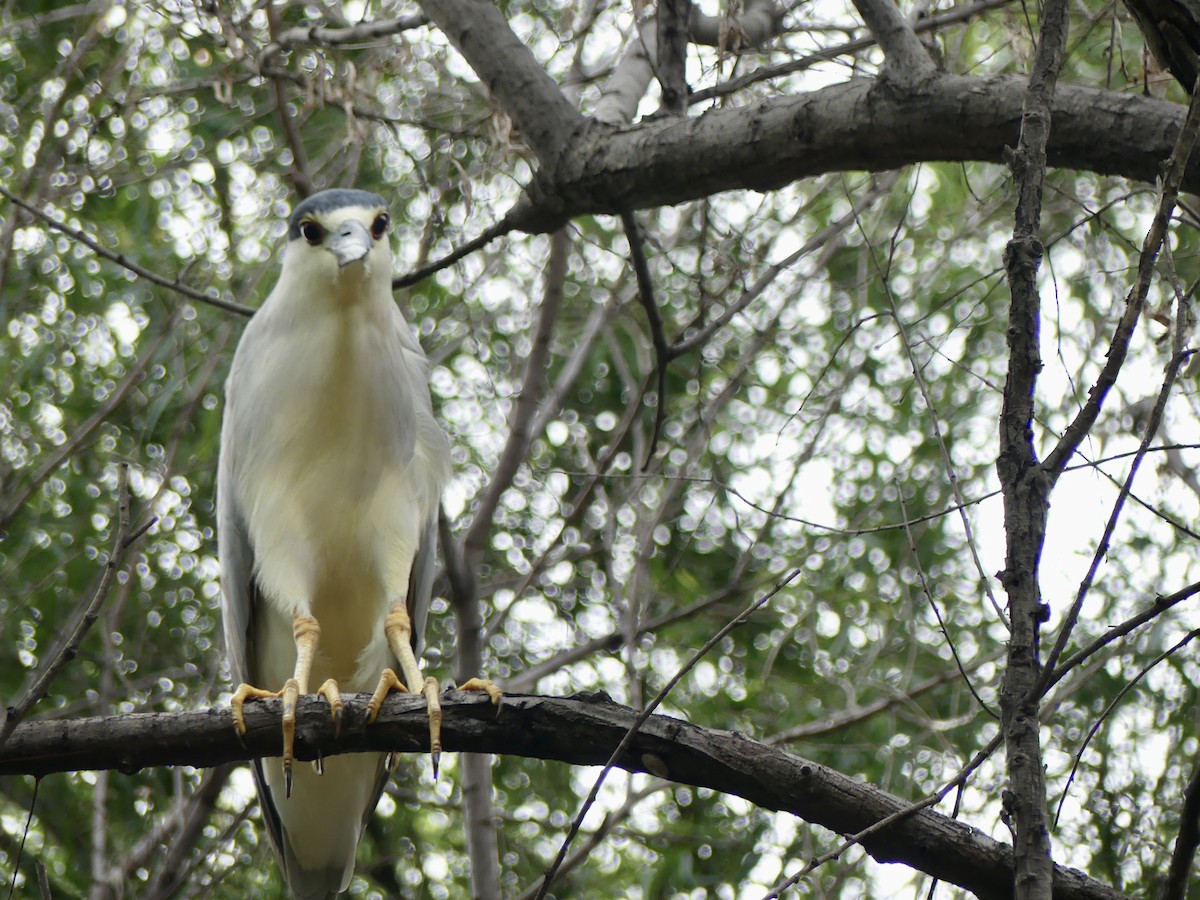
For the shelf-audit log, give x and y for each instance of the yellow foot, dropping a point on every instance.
(389, 681)
(290, 692)
(485, 686)
(329, 690)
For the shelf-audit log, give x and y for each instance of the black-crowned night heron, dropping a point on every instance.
(331, 470)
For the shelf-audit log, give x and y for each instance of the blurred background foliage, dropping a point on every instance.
(795, 437)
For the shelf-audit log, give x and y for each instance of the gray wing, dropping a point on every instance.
(239, 598)
(238, 591)
(420, 585)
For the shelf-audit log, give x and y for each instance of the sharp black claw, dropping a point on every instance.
(287, 780)
(389, 761)
(436, 759)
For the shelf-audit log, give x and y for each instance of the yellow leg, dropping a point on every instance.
(307, 634)
(398, 628)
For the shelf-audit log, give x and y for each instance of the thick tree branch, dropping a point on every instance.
(858, 125)
(581, 730)
(507, 68)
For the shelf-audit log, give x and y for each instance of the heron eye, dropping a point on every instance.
(311, 232)
(380, 226)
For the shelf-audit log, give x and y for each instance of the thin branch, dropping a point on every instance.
(861, 713)
(662, 353)
(1103, 717)
(934, 421)
(123, 539)
(300, 173)
(1176, 169)
(912, 548)
(1160, 605)
(80, 435)
(1179, 872)
(690, 342)
(1118, 348)
(766, 73)
(933, 799)
(322, 36)
(525, 410)
(627, 740)
(175, 285)
(501, 228)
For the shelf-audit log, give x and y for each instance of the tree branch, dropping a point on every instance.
(582, 730)
(508, 69)
(123, 538)
(524, 411)
(906, 60)
(852, 126)
(118, 258)
(1025, 484)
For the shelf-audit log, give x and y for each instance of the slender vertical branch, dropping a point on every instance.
(1179, 873)
(671, 34)
(1024, 483)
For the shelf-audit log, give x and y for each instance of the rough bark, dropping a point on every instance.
(582, 730)
(862, 124)
(1024, 483)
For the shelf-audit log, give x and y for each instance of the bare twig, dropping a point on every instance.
(741, 618)
(123, 539)
(525, 410)
(766, 73)
(500, 229)
(322, 36)
(1103, 717)
(935, 424)
(83, 432)
(300, 173)
(1176, 168)
(912, 548)
(175, 285)
(930, 800)
(1118, 348)
(1157, 608)
(1179, 872)
(662, 353)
